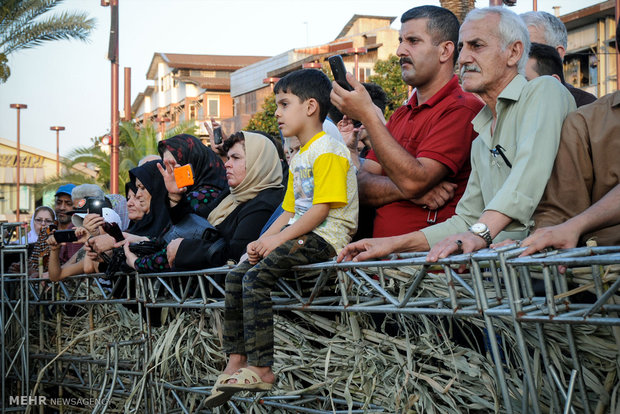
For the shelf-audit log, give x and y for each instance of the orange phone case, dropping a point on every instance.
(184, 176)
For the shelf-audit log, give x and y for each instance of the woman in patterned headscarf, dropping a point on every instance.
(209, 176)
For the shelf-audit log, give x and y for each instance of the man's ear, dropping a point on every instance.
(446, 51)
(312, 106)
(515, 51)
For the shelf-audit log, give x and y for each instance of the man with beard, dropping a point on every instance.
(62, 205)
(519, 133)
(418, 167)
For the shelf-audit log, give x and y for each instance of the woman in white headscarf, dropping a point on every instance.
(43, 216)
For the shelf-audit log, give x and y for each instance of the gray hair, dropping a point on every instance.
(552, 27)
(86, 190)
(511, 29)
(147, 158)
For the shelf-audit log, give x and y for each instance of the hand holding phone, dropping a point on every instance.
(65, 236)
(339, 71)
(113, 230)
(183, 176)
(217, 135)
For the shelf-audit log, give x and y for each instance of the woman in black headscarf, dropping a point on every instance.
(209, 176)
(147, 184)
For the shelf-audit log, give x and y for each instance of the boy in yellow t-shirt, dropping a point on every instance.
(320, 216)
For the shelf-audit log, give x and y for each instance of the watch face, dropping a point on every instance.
(478, 228)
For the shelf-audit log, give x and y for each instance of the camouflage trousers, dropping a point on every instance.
(248, 319)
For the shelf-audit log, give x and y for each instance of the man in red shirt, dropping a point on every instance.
(419, 166)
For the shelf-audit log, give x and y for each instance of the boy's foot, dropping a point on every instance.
(248, 379)
(218, 397)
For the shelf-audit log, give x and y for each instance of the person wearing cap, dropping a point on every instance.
(85, 262)
(63, 204)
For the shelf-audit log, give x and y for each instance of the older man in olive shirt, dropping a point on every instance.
(519, 133)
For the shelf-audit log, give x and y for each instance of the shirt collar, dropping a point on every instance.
(314, 138)
(439, 95)
(511, 92)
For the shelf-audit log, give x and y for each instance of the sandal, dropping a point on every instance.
(218, 397)
(247, 380)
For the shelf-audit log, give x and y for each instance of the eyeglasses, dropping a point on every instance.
(41, 221)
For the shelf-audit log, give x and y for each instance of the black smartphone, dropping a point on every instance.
(113, 230)
(96, 209)
(65, 236)
(339, 71)
(217, 135)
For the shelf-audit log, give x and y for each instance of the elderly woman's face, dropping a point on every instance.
(169, 157)
(134, 210)
(41, 219)
(143, 196)
(235, 166)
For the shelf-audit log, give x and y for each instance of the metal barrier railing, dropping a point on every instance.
(14, 336)
(518, 302)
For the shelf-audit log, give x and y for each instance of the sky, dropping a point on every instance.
(68, 82)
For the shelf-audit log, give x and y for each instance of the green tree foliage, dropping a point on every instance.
(387, 75)
(265, 119)
(134, 144)
(22, 26)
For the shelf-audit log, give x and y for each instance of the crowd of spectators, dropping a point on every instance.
(493, 153)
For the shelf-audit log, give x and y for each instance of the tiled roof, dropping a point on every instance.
(356, 17)
(212, 84)
(204, 62)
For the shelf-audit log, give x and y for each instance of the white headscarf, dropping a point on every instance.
(262, 170)
(32, 235)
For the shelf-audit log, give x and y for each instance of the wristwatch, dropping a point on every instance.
(481, 229)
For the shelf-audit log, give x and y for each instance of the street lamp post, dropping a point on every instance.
(357, 51)
(18, 161)
(113, 58)
(57, 129)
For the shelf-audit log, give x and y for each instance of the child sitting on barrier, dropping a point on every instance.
(320, 215)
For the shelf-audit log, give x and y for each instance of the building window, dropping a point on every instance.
(364, 74)
(581, 70)
(192, 111)
(213, 107)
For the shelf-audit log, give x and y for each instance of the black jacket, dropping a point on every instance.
(240, 228)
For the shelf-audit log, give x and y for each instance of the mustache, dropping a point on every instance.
(405, 60)
(469, 68)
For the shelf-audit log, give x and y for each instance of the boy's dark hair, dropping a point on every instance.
(548, 60)
(306, 84)
(230, 142)
(442, 24)
(377, 94)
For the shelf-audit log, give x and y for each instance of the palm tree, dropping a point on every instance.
(459, 7)
(22, 28)
(134, 144)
